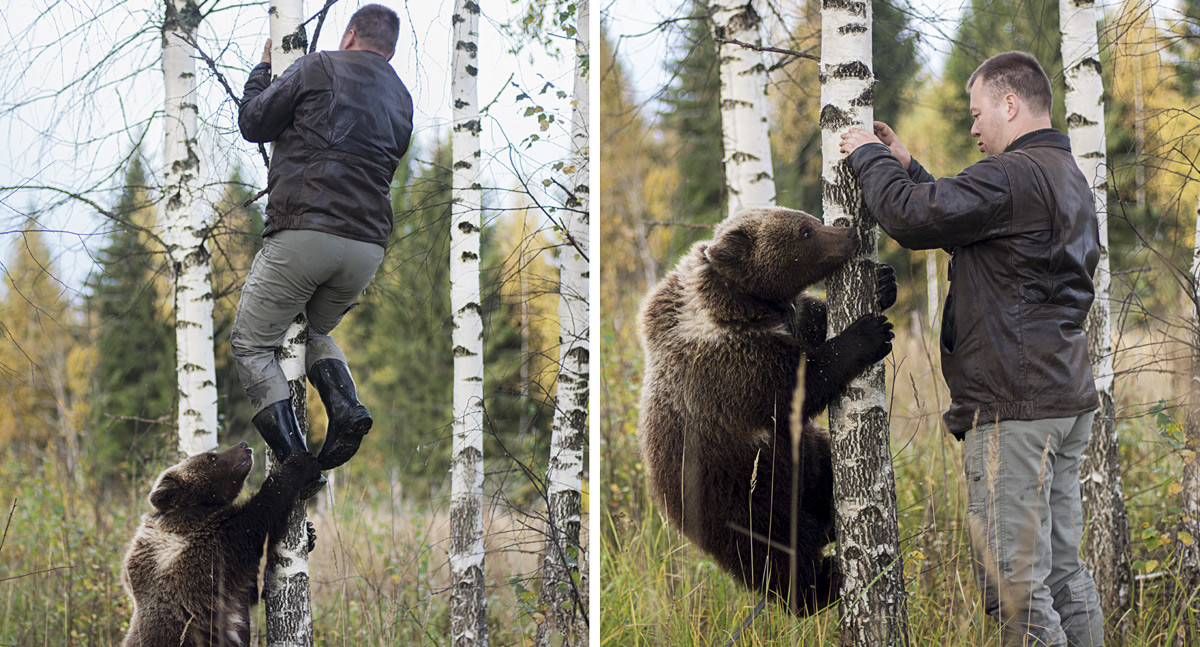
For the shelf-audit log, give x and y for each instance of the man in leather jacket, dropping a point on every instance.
(340, 122)
(1022, 230)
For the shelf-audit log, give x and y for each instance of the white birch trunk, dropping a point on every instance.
(873, 602)
(1190, 558)
(187, 228)
(561, 594)
(932, 293)
(468, 610)
(749, 179)
(1106, 544)
(287, 598)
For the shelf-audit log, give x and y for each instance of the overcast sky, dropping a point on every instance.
(71, 134)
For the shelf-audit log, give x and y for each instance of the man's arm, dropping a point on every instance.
(267, 108)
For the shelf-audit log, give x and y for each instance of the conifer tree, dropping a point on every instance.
(135, 342)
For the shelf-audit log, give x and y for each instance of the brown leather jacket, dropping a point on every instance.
(1021, 227)
(340, 121)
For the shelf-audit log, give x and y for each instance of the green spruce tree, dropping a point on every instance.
(135, 365)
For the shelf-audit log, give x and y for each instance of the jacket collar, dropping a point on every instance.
(1042, 137)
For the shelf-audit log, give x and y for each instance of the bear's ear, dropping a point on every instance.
(734, 247)
(166, 492)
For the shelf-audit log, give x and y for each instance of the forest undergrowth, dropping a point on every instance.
(378, 573)
(658, 589)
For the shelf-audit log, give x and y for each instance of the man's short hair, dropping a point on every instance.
(376, 26)
(1018, 73)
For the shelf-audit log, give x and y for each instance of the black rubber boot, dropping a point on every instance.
(278, 426)
(349, 420)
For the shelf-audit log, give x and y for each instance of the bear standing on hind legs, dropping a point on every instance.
(192, 567)
(723, 336)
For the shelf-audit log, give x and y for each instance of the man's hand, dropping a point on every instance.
(855, 137)
(267, 52)
(888, 137)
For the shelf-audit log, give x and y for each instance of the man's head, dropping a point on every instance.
(373, 27)
(1010, 96)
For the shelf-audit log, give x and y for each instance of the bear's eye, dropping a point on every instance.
(212, 457)
(807, 233)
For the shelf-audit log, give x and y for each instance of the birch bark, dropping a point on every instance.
(560, 591)
(1106, 543)
(468, 610)
(749, 179)
(1190, 558)
(873, 601)
(286, 594)
(187, 231)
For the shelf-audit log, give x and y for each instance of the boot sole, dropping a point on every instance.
(346, 446)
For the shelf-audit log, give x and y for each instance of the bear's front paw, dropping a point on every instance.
(885, 286)
(872, 335)
(303, 467)
(312, 535)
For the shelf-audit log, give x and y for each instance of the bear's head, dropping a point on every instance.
(775, 253)
(204, 480)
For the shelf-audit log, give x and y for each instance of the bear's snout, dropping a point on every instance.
(851, 233)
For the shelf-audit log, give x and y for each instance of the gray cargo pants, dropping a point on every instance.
(1026, 524)
(296, 271)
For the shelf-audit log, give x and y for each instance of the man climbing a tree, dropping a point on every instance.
(1021, 227)
(340, 122)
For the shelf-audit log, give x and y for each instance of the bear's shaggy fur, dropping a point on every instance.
(192, 567)
(723, 335)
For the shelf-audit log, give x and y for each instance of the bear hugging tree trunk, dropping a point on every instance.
(192, 566)
(723, 336)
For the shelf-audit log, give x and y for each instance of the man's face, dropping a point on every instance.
(990, 124)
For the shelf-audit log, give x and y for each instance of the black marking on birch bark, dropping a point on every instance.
(191, 162)
(462, 164)
(467, 46)
(867, 98)
(472, 70)
(1090, 61)
(467, 227)
(469, 256)
(463, 351)
(740, 156)
(1083, 4)
(297, 40)
(761, 176)
(757, 68)
(745, 20)
(188, 75)
(834, 118)
(1094, 155)
(475, 185)
(472, 126)
(732, 104)
(471, 7)
(855, 8)
(460, 104)
(455, 19)
(852, 28)
(852, 70)
(1075, 120)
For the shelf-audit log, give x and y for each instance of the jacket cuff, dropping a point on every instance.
(261, 68)
(867, 153)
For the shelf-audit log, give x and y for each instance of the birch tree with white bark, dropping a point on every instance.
(565, 612)
(1106, 541)
(286, 594)
(873, 601)
(185, 214)
(1190, 557)
(468, 610)
(749, 179)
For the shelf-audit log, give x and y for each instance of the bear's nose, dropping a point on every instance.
(852, 233)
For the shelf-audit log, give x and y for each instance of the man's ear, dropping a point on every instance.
(732, 248)
(165, 492)
(1012, 105)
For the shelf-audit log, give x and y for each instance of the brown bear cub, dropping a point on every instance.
(192, 567)
(723, 335)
